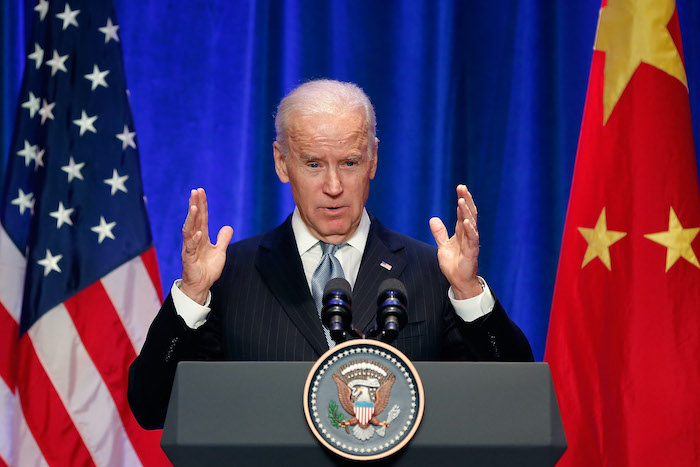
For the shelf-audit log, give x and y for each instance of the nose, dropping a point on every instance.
(332, 185)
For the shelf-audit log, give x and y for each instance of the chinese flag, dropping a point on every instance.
(624, 335)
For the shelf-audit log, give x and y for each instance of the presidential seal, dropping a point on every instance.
(363, 400)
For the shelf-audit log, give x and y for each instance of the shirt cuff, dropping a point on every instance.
(192, 312)
(475, 307)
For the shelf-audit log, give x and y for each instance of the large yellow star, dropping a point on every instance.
(631, 32)
(677, 240)
(599, 241)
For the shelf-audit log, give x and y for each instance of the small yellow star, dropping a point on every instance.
(677, 240)
(599, 241)
(631, 32)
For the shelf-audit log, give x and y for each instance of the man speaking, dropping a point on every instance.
(259, 299)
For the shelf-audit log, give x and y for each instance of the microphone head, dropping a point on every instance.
(392, 285)
(338, 285)
(336, 313)
(391, 309)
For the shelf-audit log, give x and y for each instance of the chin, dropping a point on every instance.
(334, 229)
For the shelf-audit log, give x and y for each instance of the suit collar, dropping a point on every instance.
(280, 267)
(383, 259)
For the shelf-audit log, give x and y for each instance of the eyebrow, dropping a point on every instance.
(310, 157)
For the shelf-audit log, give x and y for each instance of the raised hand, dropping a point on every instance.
(202, 262)
(459, 255)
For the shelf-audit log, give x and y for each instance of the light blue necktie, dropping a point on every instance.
(328, 268)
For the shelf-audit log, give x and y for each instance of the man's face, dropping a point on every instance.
(329, 169)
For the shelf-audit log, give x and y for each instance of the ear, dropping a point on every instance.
(280, 163)
(373, 162)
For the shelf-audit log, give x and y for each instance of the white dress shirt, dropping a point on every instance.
(349, 255)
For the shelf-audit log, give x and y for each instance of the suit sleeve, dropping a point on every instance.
(152, 373)
(492, 337)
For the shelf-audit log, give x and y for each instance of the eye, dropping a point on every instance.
(313, 165)
(351, 162)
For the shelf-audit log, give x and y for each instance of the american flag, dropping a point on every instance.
(79, 281)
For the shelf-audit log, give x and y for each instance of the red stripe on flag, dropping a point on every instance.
(110, 349)
(45, 414)
(151, 262)
(8, 347)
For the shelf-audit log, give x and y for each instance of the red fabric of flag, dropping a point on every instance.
(624, 335)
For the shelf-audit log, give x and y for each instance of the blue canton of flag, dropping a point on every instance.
(78, 274)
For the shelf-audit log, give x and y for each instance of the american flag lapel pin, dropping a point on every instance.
(385, 265)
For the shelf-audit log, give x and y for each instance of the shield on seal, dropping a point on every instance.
(364, 411)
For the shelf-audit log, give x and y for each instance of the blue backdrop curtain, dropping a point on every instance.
(487, 93)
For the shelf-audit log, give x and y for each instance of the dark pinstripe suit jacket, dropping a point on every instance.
(262, 309)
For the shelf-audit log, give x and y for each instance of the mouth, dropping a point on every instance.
(333, 209)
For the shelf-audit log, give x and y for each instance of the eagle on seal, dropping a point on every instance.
(364, 396)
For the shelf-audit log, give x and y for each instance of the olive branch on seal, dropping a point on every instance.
(335, 415)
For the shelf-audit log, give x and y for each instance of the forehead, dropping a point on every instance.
(344, 129)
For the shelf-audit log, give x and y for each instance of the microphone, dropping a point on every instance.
(336, 313)
(392, 302)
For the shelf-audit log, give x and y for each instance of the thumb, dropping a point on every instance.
(224, 237)
(439, 231)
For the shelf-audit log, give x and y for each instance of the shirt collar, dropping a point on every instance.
(305, 239)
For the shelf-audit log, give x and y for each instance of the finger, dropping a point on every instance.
(189, 245)
(470, 203)
(192, 201)
(189, 228)
(203, 220)
(224, 237)
(193, 198)
(465, 212)
(459, 230)
(462, 191)
(204, 207)
(471, 235)
(437, 227)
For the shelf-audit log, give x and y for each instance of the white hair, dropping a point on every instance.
(323, 96)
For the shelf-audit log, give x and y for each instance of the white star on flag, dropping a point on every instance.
(68, 17)
(62, 215)
(39, 159)
(127, 138)
(110, 31)
(97, 77)
(43, 8)
(37, 55)
(24, 201)
(29, 152)
(104, 230)
(73, 170)
(85, 123)
(32, 104)
(117, 182)
(57, 62)
(50, 262)
(46, 111)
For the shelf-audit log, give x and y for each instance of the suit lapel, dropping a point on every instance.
(280, 267)
(381, 260)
